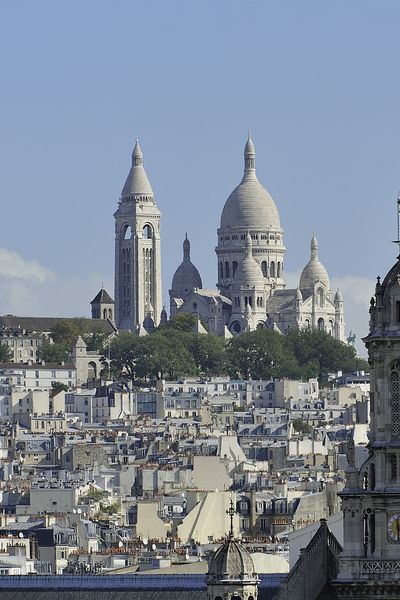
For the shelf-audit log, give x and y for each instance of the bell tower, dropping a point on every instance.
(370, 563)
(138, 295)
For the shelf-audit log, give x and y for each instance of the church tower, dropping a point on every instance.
(370, 563)
(138, 295)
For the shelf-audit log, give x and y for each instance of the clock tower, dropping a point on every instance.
(369, 566)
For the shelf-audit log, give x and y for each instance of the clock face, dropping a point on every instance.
(393, 527)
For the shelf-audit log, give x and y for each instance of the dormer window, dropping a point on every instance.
(397, 311)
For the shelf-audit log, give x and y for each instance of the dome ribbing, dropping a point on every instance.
(250, 205)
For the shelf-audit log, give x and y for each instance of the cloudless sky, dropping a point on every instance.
(316, 82)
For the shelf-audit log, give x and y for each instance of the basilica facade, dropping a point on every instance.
(251, 286)
(251, 291)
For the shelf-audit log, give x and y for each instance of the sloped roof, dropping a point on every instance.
(102, 298)
(47, 324)
(280, 300)
(212, 294)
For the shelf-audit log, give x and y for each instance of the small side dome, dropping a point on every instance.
(338, 296)
(249, 271)
(299, 295)
(314, 270)
(186, 278)
(231, 561)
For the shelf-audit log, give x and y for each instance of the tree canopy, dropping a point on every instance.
(175, 351)
(5, 354)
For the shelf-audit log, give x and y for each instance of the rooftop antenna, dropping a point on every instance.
(398, 223)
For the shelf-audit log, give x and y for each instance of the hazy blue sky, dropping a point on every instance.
(316, 82)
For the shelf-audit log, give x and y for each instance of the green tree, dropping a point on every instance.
(67, 332)
(301, 426)
(319, 354)
(258, 354)
(183, 321)
(208, 353)
(5, 354)
(125, 351)
(96, 341)
(167, 354)
(53, 353)
(58, 386)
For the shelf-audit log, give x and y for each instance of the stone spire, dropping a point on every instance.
(186, 248)
(137, 155)
(137, 182)
(314, 247)
(249, 157)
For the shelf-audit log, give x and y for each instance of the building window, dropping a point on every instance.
(393, 467)
(395, 399)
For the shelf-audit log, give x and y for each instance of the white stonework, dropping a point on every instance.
(138, 294)
(310, 306)
(251, 286)
(250, 209)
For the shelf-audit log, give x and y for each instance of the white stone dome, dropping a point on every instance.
(314, 270)
(249, 271)
(250, 205)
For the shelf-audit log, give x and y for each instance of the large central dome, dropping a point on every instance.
(250, 205)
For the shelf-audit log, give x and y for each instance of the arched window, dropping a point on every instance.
(372, 476)
(331, 327)
(234, 267)
(250, 301)
(278, 274)
(147, 232)
(264, 268)
(227, 270)
(105, 313)
(365, 481)
(321, 324)
(320, 297)
(272, 269)
(127, 232)
(307, 323)
(110, 316)
(92, 371)
(235, 327)
(221, 270)
(395, 398)
(397, 311)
